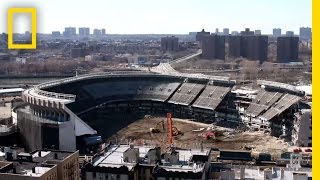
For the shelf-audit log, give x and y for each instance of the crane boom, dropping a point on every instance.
(169, 121)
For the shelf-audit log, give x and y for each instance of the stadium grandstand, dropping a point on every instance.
(267, 109)
(78, 106)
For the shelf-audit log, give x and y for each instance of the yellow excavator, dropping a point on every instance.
(160, 125)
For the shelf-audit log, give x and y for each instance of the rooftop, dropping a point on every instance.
(44, 156)
(306, 89)
(185, 164)
(5, 111)
(12, 90)
(25, 168)
(31, 164)
(113, 157)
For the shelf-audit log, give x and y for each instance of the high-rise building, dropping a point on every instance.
(257, 32)
(217, 30)
(247, 32)
(200, 35)
(289, 33)
(97, 32)
(234, 33)
(305, 33)
(103, 32)
(56, 34)
(234, 43)
(170, 43)
(70, 31)
(84, 31)
(287, 48)
(226, 31)
(213, 47)
(276, 32)
(253, 47)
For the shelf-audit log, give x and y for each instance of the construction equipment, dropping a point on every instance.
(176, 131)
(208, 135)
(173, 131)
(156, 129)
(169, 122)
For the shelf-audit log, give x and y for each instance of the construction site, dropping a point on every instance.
(190, 134)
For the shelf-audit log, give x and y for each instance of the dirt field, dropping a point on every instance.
(139, 133)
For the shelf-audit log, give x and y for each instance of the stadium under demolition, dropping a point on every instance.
(81, 112)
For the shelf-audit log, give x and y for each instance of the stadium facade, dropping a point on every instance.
(59, 112)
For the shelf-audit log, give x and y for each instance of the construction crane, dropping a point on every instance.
(173, 131)
(169, 121)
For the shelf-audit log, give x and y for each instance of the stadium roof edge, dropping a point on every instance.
(279, 85)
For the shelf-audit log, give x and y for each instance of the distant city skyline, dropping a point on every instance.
(163, 17)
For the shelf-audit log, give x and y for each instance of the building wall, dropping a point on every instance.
(287, 49)
(276, 32)
(69, 168)
(234, 46)
(170, 43)
(30, 131)
(201, 35)
(247, 32)
(302, 130)
(39, 134)
(213, 47)
(305, 33)
(67, 138)
(220, 47)
(208, 47)
(105, 176)
(84, 31)
(254, 47)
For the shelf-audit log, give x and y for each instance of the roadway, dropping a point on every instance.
(187, 57)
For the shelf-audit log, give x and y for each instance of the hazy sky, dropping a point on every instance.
(163, 16)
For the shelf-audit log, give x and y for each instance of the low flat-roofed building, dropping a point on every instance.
(146, 162)
(118, 162)
(183, 164)
(27, 171)
(234, 171)
(42, 164)
(11, 92)
(4, 56)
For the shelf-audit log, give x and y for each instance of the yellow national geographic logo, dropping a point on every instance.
(11, 12)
